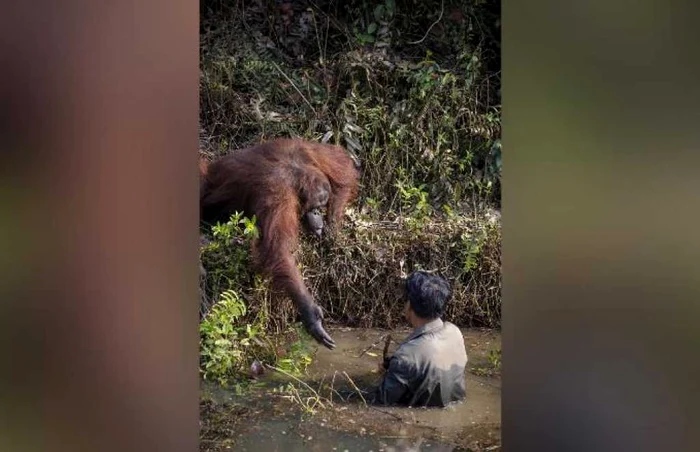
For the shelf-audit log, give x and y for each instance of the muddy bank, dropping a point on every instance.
(262, 419)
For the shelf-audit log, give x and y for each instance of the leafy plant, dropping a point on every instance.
(471, 248)
(231, 338)
(374, 28)
(226, 257)
(494, 357)
(300, 354)
(228, 347)
(492, 366)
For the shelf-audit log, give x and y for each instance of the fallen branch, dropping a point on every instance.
(386, 346)
(372, 346)
(396, 416)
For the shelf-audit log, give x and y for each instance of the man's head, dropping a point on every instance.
(427, 296)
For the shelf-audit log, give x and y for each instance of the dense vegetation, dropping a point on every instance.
(412, 90)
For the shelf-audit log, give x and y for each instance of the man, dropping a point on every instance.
(428, 367)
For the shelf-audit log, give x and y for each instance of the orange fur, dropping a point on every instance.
(269, 181)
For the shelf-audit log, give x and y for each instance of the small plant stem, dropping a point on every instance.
(355, 386)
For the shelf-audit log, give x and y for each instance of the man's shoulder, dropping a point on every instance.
(410, 350)
(406, 353)
(405, 350)
(452, 328)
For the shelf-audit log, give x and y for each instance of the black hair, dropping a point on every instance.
(427, 294)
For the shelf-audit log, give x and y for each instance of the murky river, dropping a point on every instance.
(270, 424)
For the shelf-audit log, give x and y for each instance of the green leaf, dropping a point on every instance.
(390, 7)
(379, 12)
(372, 28)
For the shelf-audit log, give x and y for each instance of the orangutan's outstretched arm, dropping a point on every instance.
(288, 278)
(279, 233)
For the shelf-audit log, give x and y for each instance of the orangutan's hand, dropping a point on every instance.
(312, 318)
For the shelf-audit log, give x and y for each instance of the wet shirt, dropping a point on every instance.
(427, 368)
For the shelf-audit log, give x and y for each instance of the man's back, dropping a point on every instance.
(427, 368)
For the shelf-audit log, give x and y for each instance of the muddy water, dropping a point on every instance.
(351, 425)
(288, 435)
